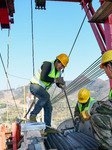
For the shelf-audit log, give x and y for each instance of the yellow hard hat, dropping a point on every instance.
(64, 59)
(83, 96)
(107, 56)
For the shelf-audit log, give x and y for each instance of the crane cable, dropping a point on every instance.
(32, 60)
(6, 73)
(75, 39)
(8, 49)
(32, 38)
(32, 56)
(79, 29)
(74, 42)
(9, 84)
(18, 77)
(7, 69)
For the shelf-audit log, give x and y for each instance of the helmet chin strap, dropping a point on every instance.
(110, 63)
(63, 70)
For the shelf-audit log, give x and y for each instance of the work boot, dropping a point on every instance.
(33, 118)
(51, 130)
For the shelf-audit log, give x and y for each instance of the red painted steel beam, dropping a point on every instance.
(66, 0)
(108, 36)
(101, 1)
(14, 132)
(108, 32)
(2, 141)
(96, 32)
(99, 26)
(4, 15)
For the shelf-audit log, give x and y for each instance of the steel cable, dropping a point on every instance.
(61, 95)
(75, 40)
(79, 30)
(73, 89)
(19, 77)
(80, 77)
(93, 65)
(90, 74)
(9, 84)
(32, 60)
(85, 82)
(32, 38)
(83, 77)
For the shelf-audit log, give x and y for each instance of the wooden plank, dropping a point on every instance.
(102, 13)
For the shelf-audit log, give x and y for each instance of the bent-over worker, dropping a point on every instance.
(84, 104)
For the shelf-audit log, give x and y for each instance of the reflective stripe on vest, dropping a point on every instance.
(110, 94)
(91, 102)
(37, 78)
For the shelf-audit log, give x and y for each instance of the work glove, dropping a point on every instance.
(61, 86)
(84, 116)
(59, 80)
(87, 112)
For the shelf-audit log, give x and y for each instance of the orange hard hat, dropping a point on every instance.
(64, 59)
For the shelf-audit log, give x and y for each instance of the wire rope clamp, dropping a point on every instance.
(40, 4)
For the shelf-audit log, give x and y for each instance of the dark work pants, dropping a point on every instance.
(43, 102)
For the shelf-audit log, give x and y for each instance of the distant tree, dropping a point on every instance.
(1, 94)
(3, 105)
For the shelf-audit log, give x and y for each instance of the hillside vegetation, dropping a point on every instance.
(98, 89)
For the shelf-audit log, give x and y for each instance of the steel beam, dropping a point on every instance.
(4, 15)
(96, 32)
(108, 36)
(66, 0)
(99, 26)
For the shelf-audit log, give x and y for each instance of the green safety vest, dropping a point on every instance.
(110, 94)
(91, 102)
(37, 78)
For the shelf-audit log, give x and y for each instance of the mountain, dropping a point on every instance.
(98, 90)
(1, 94)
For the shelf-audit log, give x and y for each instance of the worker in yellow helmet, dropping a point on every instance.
(83, 106)
(49, 73)
(101, 115)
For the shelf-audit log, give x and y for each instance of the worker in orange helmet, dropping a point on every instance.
(101, 115)
(49, 73)
(84, 104)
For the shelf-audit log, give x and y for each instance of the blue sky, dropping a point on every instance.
(54, 32)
